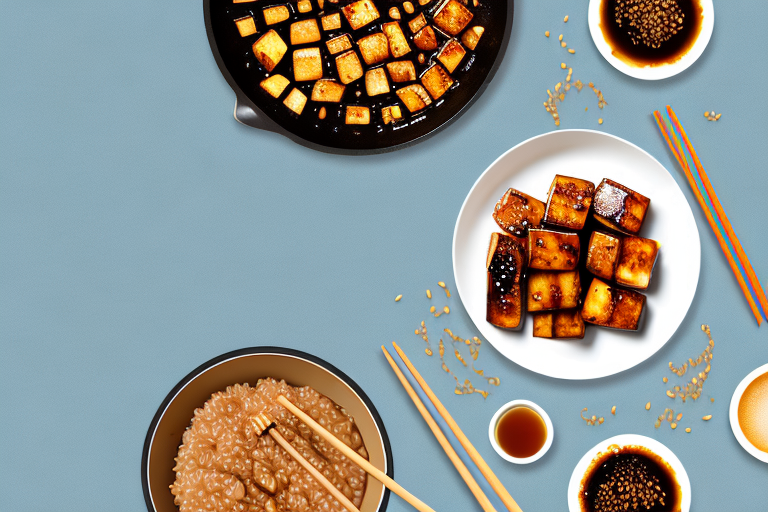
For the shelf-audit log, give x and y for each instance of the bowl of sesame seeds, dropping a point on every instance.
(651, 39)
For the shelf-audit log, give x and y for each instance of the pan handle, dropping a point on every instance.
(249, 117)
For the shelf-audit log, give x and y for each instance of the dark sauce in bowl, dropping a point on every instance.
(629, 478)
(633, 46)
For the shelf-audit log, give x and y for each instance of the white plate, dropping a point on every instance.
(734, 414)
(627, 440)
(530, 168)
(653, 72)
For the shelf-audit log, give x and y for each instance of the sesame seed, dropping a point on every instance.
(397, 299)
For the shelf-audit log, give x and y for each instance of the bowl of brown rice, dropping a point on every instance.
(200, 455)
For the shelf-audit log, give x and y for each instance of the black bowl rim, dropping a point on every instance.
(264, 350)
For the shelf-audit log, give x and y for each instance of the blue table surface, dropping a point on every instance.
(144, 231)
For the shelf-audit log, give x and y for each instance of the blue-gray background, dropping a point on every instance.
(143, 231)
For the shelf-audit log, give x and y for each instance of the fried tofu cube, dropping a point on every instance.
(401, 71)
(553, 250)
(391, 114)
(426, 39)
(451, 55)
(619, 207)
(276, 14)
(246, 26)
(305, 31)
(424, 2)
(568, 202)
(374, 48)
(414, 96)
(505, 265)
(358, 115)
(452, 17)
(269, 49)
(561, 324)
(304, 6)
(517, 212)
(417, 23)
(349, 67)
(398, 44)
(436, 80)
(331, 22)
(603, 254)
(611, 306)
(360, 13)
(636, 262)
(295, 101)
(307, 64)
(327, 91)
(376, 82)
(339, 44)
(553, 290)
(275, 85)
(471, 37)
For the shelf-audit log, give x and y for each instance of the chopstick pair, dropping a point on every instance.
(424, 398)
(685, 153)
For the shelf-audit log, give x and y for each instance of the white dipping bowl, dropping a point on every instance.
(495, 421)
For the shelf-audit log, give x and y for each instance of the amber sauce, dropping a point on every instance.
(753, 413)
(641, 55)
(521, 432)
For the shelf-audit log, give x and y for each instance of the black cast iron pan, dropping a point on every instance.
(254, 107)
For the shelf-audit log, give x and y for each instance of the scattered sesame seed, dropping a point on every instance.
(560, 38)
(707, 417)
(600, 121)
(397, 299)
(429, 294)
(562, 65)
(563, 44)
(648, 406)
(571, 50)
(565, 20)
(688, 430)
(546, 34)
(441, 284)
(613, 410)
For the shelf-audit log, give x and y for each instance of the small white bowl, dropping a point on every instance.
(495, 420)
(734, 414)
(629, 440)
(653, 72)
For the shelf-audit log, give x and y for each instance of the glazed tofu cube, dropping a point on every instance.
(471, 37)
(305, 31)
(276, 14)
(517, 212)
(304, 6)
(398, 44)
(452, 17)
(307, 64)
(327, 91)
(426, 39)
(451, 55)
(553, 250)
(424, 2)
(414, 97)
(553, 290)
(417, 23)
(246, 26)
(360, 13)
(603, 254)
(636, 262)
(560, 324)
(620, 207)
(331, 22)
(339, 44)
(275, 85)
(402, 71)
(436, 81)
(505, 266)
(374, 48)
(568, 202)
(349, 67)
(376, 82)
(611, 306)
(295, 101)
(358, 115)
(391, 114)
(269, 49)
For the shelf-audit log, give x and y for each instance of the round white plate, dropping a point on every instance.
(530, 167)
(634, 440)
(734, 414)
(653, 72)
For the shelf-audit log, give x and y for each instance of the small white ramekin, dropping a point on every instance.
(734, 414)
(495, 421)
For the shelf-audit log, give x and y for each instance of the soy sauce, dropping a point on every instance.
(521, 432)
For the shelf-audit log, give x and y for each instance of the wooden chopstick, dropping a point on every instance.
(496, 485)
(708, 214)
(446, 445)
(745, 263)
(355, 457)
